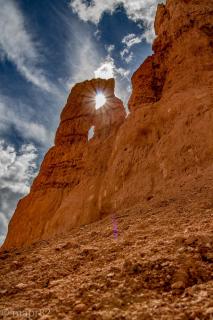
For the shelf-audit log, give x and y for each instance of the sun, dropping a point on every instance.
(100, 100)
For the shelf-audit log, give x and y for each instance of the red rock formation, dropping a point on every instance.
(170, 128)
(66, 191)
(159, 151)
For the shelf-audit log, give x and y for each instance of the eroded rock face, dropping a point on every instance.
(170, 127)
(66, 192)
(156, 153)
(182, 53)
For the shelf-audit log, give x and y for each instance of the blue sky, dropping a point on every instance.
(45, 47)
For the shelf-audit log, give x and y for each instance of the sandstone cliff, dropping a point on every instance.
(158, 152)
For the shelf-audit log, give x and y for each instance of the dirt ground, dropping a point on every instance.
(152, 261)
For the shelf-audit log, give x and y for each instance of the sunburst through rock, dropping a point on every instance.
(100, 100)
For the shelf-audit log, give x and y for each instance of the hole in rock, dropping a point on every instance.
(91, 133)
(100, 100)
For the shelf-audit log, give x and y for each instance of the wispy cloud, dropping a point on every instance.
(129, 41)
(19, 46)
(29, 130)
(86, 57)
(137, 10)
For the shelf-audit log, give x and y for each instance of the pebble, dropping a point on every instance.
(21, 286)
(190, 249)
(80, 307)
(209, 311)
(54, 283)
(110, 275)
(181, 250)
(208, 245)
(3, 291)
(165, 264)
(203, 294)
(178, 285)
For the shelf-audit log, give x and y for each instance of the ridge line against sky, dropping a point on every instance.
(45, 48)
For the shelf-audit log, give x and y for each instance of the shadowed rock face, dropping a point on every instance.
(156, 153)
(66, 192)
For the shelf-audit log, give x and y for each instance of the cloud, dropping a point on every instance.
(27, 129)
(124, 52)
(97, 34)
(91, 133)
(129, 58)
(131, 40)
(94, 11)
(18, 46)
(3, 227)
(124, 73)
(108, 70)
(110, 48)
(86, 57)
(126, 55)
(137, 10)
(89, 61)
(17, 169)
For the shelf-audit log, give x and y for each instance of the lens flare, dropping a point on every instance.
(100, 100)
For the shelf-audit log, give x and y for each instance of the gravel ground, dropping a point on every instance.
(153, 261)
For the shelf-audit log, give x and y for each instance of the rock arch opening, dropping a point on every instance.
(91, 133)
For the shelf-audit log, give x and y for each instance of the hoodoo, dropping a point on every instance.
(67, 191)
(160, 151)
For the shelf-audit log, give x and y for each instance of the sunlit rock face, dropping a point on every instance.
(165, 145)
(156, 154)
(182, 53)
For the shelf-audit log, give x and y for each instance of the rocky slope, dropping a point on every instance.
(148, 262)
(158, 152)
